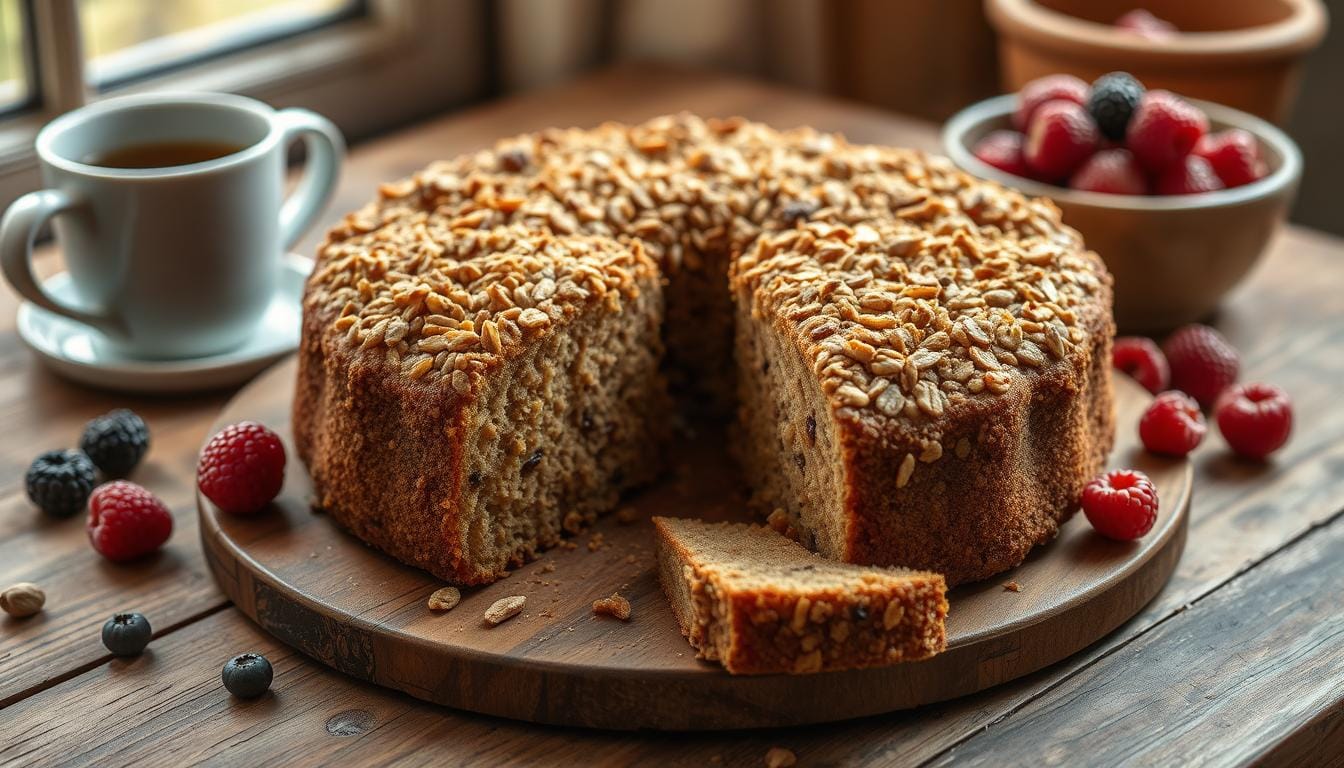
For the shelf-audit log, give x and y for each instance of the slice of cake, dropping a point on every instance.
(760, 603)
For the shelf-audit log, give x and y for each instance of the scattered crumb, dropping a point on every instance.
(779, 757)
(716, 759)
(631, 559)
(615, 605)
(778, 520)
(1012, 586)
(445, 599)
(547, 568)
(596, 541)
(546, 614)
(568, 545)
(504, 609)
(626, 515)
(573, 522)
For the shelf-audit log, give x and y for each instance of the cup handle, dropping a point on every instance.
(325, 147)
(18, 230)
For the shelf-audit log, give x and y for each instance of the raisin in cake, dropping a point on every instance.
(918, 361)
(758, 603)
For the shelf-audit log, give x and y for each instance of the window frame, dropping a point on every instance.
(366, 74)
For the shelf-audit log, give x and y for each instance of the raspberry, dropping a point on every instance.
(1046, 89)
(1002, 150)
(1139, 357)
(1190, 176)
(1164, 129)
(1060, 138)
(59, 482)
(1255, 419)
(1113, 171)
(1202, 363)
(1144, 24)
(127, 521)
(1172, 425)
(1233, 154)
(1121, 504)
(115, 442)
(242, 468)
(1114, 98)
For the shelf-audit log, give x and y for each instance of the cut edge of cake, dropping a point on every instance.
(759, 603)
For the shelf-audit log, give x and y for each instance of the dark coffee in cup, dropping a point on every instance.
(162, 154)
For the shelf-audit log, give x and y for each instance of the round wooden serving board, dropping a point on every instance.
(326, 593)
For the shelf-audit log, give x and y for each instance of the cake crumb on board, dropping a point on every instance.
(626, 515)
(1012, 586)
(779, 757)
(615, 606)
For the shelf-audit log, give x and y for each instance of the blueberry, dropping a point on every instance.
(1114, 98)
(127, 634)
(116, 442)
(247, 675)
(60, 482)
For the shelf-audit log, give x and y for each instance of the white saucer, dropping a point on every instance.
(83, 354)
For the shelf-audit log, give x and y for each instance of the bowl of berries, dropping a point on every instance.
(1179, 197)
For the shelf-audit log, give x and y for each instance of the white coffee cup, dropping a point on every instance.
(177, 261)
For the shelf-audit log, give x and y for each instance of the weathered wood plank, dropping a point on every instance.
(1222, 683)
(1228, 679)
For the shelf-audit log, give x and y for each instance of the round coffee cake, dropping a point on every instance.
(914, 363)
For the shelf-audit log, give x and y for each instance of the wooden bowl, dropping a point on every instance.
(1246, 54)
(1173, 257)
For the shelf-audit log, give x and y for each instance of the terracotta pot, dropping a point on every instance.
(1246, 54)
(1173, 258)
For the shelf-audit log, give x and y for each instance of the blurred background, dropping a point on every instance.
(374, 65)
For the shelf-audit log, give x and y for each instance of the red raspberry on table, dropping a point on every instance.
(1043, 90)
(127, 521)
(1113, 171)
(1164, 129)
(1172, 425)
(1121, 504)
(1202, 363)
(1234, 155)
(1061, 136)
(1255, 419)
(1003, 150)
(1139, 357)
(1191, 176)
(242, 468)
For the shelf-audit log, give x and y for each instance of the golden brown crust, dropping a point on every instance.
(734, 609)
(968, 392)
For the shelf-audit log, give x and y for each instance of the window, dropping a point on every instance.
(366, 64)
(129, 39)
(14, 87)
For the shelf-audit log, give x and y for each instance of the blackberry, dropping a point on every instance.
(1114, 98)
(116, 442)
(247, 675)
(127, 634)
(60, 482)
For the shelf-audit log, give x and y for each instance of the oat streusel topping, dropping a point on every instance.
(910, 285)
(449, 303)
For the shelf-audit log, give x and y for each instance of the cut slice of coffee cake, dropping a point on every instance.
(760, 603)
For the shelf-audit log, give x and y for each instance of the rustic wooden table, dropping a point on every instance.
(1240, 658)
